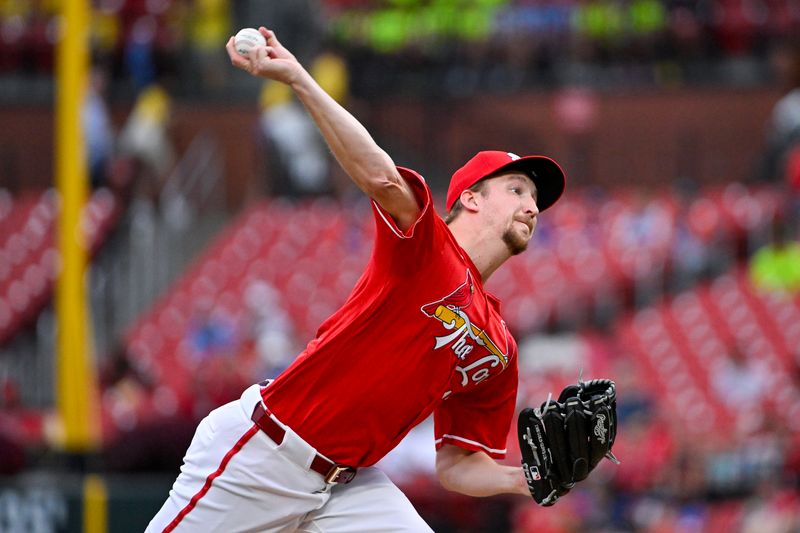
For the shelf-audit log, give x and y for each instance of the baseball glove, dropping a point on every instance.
(562, 441)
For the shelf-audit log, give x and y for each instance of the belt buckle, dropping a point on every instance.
(346, 473)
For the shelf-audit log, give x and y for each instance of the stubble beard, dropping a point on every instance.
(515, 242)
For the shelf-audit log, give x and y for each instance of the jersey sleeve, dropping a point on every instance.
(479, 418)
(386, 225)
(400, 253)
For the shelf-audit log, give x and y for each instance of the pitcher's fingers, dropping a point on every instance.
(269, 35)
(237, 59)
(230, 47)
(258, 54)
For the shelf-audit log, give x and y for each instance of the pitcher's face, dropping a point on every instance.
(511, 206)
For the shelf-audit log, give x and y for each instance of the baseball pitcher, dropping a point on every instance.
(419, 335)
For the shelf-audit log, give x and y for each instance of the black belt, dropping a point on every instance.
(332, 472)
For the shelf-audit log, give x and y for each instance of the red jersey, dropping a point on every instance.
(418, 335)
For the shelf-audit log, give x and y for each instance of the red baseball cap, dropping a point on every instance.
(545, 173)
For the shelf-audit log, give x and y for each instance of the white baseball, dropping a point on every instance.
(248, 38)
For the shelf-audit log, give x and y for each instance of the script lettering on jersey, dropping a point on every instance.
(458, 320)
(462, 336)
(480, 367)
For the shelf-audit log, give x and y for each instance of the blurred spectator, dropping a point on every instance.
(296, 156)
(211, 333)
(782, 156)
(105, 31)
(145, 139)
(640, 236)
(646, 224)
(270, 328)
(98, 129)
(209, 28)
(691, 258)
(120, 366)
(737, 467)
(124, 398)
(740, 381)
(126, 392)
(330, 71)
(701, 234)
(221, 366)
(776, 266)
(783, 135)
(140, 52)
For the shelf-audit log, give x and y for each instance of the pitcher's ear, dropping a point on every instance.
(469, 200)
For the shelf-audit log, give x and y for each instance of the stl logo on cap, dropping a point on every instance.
(513, 156)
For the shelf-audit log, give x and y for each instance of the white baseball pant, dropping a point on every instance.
(234, 478)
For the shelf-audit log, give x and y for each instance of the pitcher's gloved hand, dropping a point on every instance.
(562, 441)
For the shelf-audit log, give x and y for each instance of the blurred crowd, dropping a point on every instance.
(457, 46)
(519, 44)
(179, 43)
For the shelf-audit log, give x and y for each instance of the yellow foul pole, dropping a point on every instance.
(76, 394)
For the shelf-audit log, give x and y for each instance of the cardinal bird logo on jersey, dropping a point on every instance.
(458, 299)
(463, 336)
